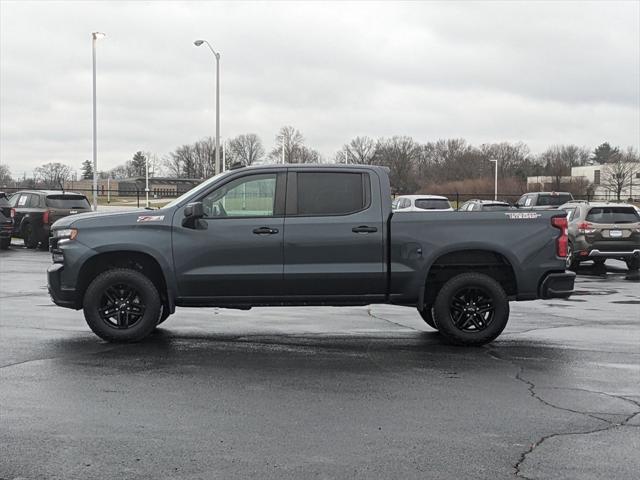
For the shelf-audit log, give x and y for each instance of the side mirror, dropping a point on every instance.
(193, 213)
(194, 210)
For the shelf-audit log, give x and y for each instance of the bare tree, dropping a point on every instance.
(5, 175)
(246, 149)
(619, 172)
(291, 140)
(360, 150)
(400, 154)
(53, 175)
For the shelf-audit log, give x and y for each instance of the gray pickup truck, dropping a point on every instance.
(305, 235)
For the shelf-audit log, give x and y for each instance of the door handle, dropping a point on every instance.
(364, 229)
(265, 231)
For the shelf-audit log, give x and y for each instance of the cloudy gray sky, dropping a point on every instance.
(537, 72)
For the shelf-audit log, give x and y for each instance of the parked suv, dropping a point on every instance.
(420, 203)
(598, 231)
(543, 200)
(34, 212)
(485, 206)
(6, 222)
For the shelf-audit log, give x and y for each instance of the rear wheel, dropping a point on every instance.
(29, 236)
(471, 309)
(633, 264)
(572, 262)
(4, 243)
(122, 305)
(427, 315)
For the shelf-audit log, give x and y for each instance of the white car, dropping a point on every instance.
(421, 203)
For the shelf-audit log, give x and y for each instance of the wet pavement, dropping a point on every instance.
(367, 392)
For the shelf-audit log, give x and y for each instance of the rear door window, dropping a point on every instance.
(612, 215)
(332, 193)
(66, 201)
(432, 204)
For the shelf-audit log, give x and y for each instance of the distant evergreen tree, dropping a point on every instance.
(605, 154)
(138, 164)
(87, 170)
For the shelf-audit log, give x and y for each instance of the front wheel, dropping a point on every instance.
(122, 305)
(471, 309)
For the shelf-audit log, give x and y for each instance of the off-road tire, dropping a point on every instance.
(572, 263)
(451, 291)
(147, 292)
(633, 264)
(4, 243)
(29, 236)
(427, 315)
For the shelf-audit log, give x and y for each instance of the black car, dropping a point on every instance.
(36, 210)
(6, 222)
(485, 206)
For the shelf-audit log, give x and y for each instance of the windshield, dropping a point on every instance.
(432, 203)
(194, 190)
(613, 215)
(554, 200)
(67, 201)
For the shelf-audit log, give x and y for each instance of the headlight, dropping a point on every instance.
(66, 233)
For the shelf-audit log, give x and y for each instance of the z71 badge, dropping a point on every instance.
(521, 215)
(150, 218)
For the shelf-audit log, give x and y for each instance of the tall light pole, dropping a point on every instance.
(495, 181)
(95, 36)
(197, 43)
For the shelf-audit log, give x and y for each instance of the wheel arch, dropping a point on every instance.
(492, 263)
(136, 260)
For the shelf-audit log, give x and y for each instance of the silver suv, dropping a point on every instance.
(599, 230)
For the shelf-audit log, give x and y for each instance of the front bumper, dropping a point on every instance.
(557, 285)
(63, 297)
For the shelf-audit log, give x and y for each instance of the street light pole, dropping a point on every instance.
(495, 181)
(197, 43)
(94, 37)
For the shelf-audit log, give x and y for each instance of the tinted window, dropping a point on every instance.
(613, 215)
(251, 196)
(496, 207)
(34, 201)
(432, 204)
(324, 193)
(553, 200)
(67, 201)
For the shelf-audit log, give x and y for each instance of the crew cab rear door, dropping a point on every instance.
(333, 236)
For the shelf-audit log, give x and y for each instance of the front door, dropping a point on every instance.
(333, 236)
(239, 253)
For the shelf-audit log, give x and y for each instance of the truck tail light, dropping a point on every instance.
(562, 240)
(586, 228)
(13, 213)
(45, 216)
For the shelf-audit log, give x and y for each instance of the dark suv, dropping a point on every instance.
(6, 222)
(34, 211)
(598, 231)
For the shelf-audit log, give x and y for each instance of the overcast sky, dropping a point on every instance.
(537, 72)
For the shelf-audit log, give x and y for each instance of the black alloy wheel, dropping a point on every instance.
(121, 306)
(472, 309)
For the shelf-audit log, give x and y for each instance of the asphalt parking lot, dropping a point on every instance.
(320, 392)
